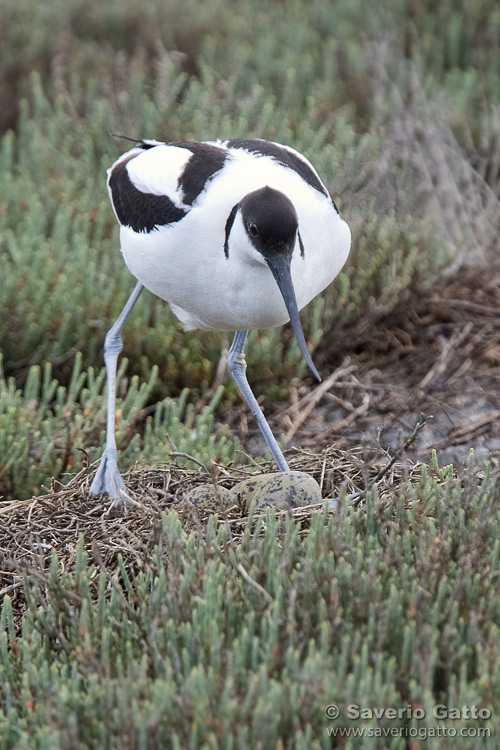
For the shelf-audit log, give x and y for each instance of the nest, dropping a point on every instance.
(31, 530)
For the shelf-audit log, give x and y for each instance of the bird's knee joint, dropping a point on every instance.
(237, 362)
(113, 343)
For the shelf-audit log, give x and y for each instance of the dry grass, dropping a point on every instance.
(31, 530)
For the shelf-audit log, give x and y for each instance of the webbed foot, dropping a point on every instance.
(108, 479)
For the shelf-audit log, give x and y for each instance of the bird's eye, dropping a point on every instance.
(252, 228)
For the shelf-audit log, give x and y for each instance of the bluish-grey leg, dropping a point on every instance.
(237, 367)
(107, 478)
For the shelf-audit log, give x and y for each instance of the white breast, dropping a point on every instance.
(184, 263)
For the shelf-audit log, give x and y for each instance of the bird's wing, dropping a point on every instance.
(204, 162)
(156, 184)
(283, 155)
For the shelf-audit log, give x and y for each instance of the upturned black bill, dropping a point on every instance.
(280, 267)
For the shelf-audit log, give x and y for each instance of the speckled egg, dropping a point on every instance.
(211, 498)
(284, 490)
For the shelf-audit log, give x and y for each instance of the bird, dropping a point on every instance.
(236, 235)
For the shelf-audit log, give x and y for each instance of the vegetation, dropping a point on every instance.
(397, 107)
(242, 636)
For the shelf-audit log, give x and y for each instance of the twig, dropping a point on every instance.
(29, 514)
(254, 584)
(305, 406)
(249, 457)
(441, 362)
(323, 469)
(341, 424)
(465, 305)
(462, 434)
(422, 420)
(216, 468)
(180, 454)
(12, 587)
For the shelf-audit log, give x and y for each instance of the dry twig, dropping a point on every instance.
(423, 419)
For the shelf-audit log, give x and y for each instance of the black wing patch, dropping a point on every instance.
(203, 165)
(229, 226)
(140, 211)
(282, 156)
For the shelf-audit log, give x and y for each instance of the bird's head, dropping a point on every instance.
(271, 224)
(270, 221)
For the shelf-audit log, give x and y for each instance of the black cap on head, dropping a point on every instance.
(270, 221)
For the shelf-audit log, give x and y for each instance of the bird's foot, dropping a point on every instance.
(108, 480)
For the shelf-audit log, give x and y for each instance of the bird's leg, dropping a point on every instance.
(237, 367)
(107, 478)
